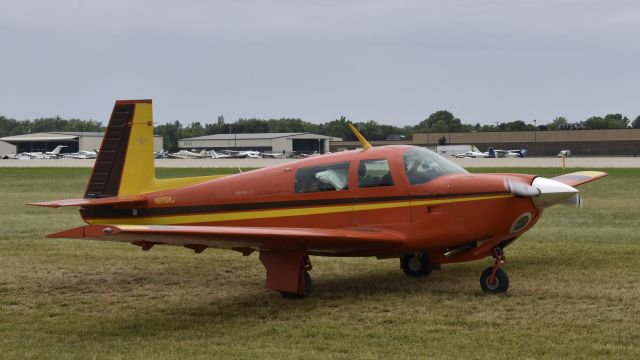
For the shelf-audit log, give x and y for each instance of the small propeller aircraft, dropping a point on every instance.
(186, 154)
(395, 201)
(471, 154)
(53, 154)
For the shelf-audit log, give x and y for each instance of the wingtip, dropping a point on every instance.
(87, 231)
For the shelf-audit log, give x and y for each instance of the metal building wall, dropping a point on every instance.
(537, 143)
(6, 148)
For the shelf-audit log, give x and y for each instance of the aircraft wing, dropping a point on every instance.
(580, 177)
(201, 237)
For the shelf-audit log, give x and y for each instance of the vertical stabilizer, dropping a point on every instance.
(124, 165)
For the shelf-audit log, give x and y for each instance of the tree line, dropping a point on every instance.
(439, 121)
(9, 127)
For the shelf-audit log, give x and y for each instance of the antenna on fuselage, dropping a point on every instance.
(365, 144)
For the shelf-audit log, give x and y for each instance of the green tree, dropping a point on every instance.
(10, 127)
(171, 133)
(555, 124)
(610, 121)
(616, 121)
(518, 125)
(440, 121)
(338, 128)
(636, 123)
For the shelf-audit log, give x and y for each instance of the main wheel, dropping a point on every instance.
(500, 282)
(416, 266)
(308, 287)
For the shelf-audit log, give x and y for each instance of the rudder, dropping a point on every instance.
(124, 165)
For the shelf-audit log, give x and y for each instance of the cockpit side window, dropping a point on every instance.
(332, 177)
(422, 165)
(374, 173)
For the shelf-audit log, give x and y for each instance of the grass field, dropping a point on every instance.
(575, 291)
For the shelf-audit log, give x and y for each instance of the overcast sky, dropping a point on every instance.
(392, 61)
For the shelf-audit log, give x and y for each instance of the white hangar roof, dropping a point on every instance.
(259, 136)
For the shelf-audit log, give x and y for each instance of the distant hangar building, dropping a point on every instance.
(265, 142)
(74, 141)
(6, 148)
(609, 142)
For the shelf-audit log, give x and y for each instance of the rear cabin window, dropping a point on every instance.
(374, 173)
(332, 177)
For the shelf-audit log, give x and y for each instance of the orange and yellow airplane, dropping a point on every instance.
(389, 202)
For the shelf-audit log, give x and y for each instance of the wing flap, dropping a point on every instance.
(580, 177)
(113, 200)
(239, 237)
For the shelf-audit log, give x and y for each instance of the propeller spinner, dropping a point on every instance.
(545, 192)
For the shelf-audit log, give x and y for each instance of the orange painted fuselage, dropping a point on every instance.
(433, 217)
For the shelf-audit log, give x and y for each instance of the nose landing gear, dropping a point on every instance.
(493, 279)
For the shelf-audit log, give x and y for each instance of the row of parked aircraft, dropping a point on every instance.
(53, 154)
(222, 154)
(233, 154)
(182, 154)
(491, 153)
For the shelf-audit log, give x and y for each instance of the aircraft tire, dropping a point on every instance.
(416, 266)
(308, 287)
(500, 285)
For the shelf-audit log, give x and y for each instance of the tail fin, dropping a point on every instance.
(492, 152)
(124, 165)
(56, 151)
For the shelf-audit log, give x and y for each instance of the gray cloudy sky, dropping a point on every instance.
(392, 61)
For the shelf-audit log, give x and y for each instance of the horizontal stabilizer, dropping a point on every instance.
(580, 177)
(231, 236)
(113, 200)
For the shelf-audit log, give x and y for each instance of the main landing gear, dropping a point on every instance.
(307, 283)
(493, 279)
(416, 265)
(287, 272)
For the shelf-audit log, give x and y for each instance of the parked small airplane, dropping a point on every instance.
(161, 154)
(511, 153)
(471, 154)
(394, 201)
(186, 154)
(82, 154)
(53, 154)
(235, 154)
(272, 155)
(216, 155)
(20, 156)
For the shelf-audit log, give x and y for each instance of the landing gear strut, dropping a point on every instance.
(416, 265)
(307, 283)
(307, 288)
(493, 279)
(287, 272)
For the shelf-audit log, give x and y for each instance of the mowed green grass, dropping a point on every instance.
(575, 291)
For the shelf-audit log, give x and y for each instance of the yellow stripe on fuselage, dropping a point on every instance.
(266, 214)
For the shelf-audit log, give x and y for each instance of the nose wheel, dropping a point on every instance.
(494, 280)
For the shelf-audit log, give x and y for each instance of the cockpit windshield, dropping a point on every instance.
(422, 165)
